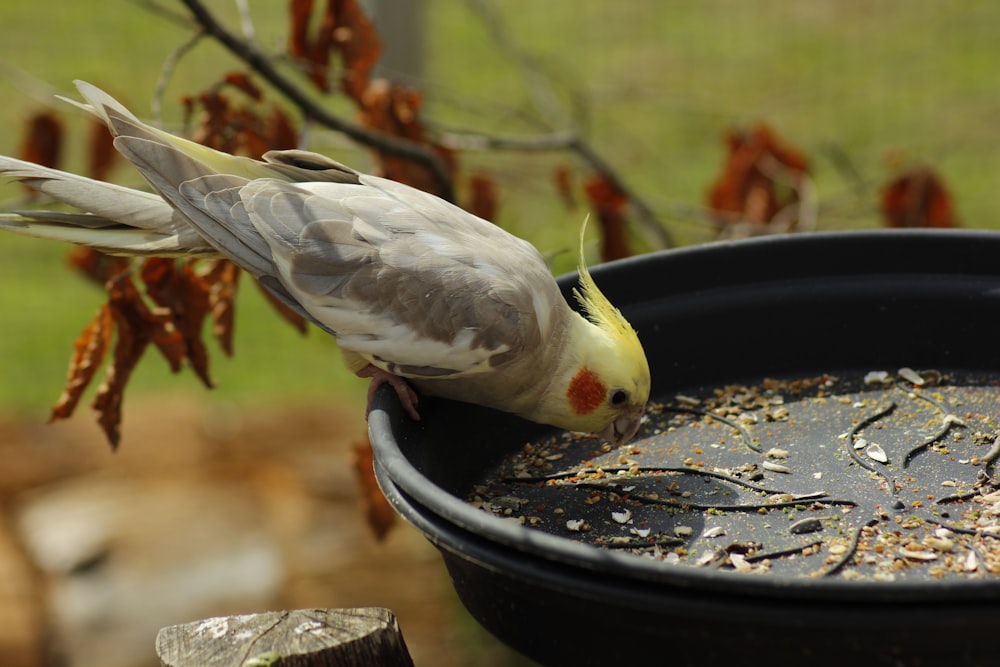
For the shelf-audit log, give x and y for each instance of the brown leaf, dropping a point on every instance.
(239, 127)
(135, 317)
(320, 51)
(563, 179)
(484, 197)
(96, 265)
(344, 29)
(357, 41)
(44, 140)
(89, 351)
(378, 511)
(102, 155)
(42, 144)
(610, 203)
(242, 81)
(280, 130)
(136, 326)
(300, 12)
(746, 190)
(395, 110)
(185, 296)
(223, 279)
(214, 129)
(248, 133)
(917, 198)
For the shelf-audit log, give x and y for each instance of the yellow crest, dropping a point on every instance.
(597, 307)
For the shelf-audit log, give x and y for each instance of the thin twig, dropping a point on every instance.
(156, 103)
(260, 63)
(246, 20)
(851, 549)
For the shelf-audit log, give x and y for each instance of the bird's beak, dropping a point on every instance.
(622, 429)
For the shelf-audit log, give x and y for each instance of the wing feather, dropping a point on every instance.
(417, 295)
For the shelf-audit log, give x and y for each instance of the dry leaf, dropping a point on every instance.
(358, 43)
(484, 197)
(89, 351)
(185, 296)
(344, 29)
(102, 155)
(280, 131)
(300, 12)
(96, 265)
(244, 128)
(378, 511)
(395, 110)
(917, 198)
(563, 179)
(223, 279)
(135, 327)
(242, 81)
(609, 202)
(746, 190)
(44, 140)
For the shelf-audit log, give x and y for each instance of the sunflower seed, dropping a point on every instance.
(739, 562)
(911, 375)
(876, 377)
(622, 517)
(805, 526)
(971, 561)
(918, 554)
(876, 453)
(775, 467)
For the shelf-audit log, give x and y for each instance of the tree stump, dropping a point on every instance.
(301, 638)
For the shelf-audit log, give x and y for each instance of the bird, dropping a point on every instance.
(419, 293)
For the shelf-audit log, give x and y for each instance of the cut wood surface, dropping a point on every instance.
(303, 638)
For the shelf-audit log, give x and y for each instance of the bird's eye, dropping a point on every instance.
(619, 397)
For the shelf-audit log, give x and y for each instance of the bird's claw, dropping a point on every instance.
(407, 396)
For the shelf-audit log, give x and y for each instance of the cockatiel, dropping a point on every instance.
(418, 292)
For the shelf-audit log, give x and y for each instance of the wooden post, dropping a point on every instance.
(302, 638)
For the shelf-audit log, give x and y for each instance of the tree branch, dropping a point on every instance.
(572, 142)
(260, 63)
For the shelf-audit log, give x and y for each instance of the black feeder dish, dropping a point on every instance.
(815, 483)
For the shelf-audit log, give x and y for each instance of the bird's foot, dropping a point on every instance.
(404, 391)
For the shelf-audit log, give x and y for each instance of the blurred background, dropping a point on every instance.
(716, 119)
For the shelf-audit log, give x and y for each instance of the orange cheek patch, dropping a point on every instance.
(586, 392)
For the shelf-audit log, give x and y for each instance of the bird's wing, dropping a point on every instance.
(408, 281)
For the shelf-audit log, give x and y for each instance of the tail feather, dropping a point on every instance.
(99, 233)
(122, 220)
(143, 223)
(115, 202)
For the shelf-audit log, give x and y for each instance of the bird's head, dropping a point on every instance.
(606, 379)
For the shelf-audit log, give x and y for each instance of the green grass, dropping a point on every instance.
(657, 82)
